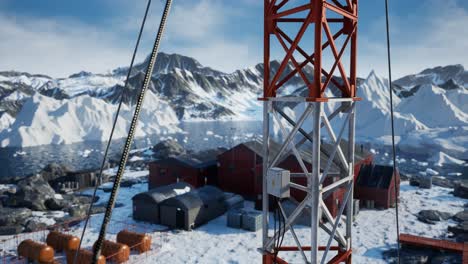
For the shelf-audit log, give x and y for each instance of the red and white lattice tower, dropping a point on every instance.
(318, 44)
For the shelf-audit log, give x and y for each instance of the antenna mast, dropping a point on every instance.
(332, 27)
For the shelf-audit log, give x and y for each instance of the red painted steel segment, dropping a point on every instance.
(275, 18)
(431, 243)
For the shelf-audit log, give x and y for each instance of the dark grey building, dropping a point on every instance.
(193, 209)
(146, 206)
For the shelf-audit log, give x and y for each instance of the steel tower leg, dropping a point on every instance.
(315, 183)
(265, 205)
(332, 25)
(351, 150)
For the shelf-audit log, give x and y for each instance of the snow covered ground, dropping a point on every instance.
(373, 231)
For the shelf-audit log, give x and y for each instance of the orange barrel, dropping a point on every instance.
(36, 252)
(137, 241)
(114, 251)
(84, 257)
(60, 241)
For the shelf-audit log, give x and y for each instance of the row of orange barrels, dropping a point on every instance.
(58, 242)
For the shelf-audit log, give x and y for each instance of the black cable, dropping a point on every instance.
(276, 237)
(131, 134)
(284, 225)
(393, 128)
(106, 153)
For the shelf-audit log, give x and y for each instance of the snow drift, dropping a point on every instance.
(44, 120)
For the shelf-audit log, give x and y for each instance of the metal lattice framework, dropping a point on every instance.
(284, 14)
(321, 217)
(280, 17)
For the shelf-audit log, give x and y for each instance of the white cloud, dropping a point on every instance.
(58, 48)
(202, 30)
(435, 38)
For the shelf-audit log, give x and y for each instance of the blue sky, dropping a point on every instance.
(59, 37)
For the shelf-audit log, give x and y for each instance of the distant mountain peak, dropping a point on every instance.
(81, 74)
(450, 75)
(453, 69)
(166, 63)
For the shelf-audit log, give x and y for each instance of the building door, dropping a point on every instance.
(180, 218)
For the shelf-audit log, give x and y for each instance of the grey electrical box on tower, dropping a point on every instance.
(278, 182)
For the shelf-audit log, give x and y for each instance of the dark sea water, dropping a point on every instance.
(197, 136)
(16, 161)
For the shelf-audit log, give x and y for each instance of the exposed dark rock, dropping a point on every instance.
(432, 216)
(404, 177)
(13, 216)
(461, 216)
(32, 193)
(11, 230)
(167, 148)
(128, 182)
(442, 182)
(70, 221)
(54, 171)
(413, 181)
(79, 199)
(461, 189)
(81, 210)
(460, 231)
(78, 211)
(55, 204)
(447, 258)
(408, 256)
(33, 226)
(106, 188)
(424, 182)
(80, 74)
(415, 255)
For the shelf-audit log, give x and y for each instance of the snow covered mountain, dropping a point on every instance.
(429, 104)
(448, 77)
(45, 120)
(432, 120)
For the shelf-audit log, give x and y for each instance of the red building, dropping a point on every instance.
(240, 171)
(376, 183)
(196, 169)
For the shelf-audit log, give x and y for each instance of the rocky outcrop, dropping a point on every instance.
(432, 216)
(460, 231)
(34, 225)
(424, 182)
(414, 255)
(442, 182)
(54, 171)
(32, 193)
(461, 189)
(461, 216)
(11, 230)
(14, 216)
(167, 148)
(55, 204)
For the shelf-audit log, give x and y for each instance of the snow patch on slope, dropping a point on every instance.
(374, 110)
(441, 158)
(6, 121)
(86, 84)
(44, 120)
(452, 141)
(422, 104)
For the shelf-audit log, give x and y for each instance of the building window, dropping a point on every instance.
(162, 172)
